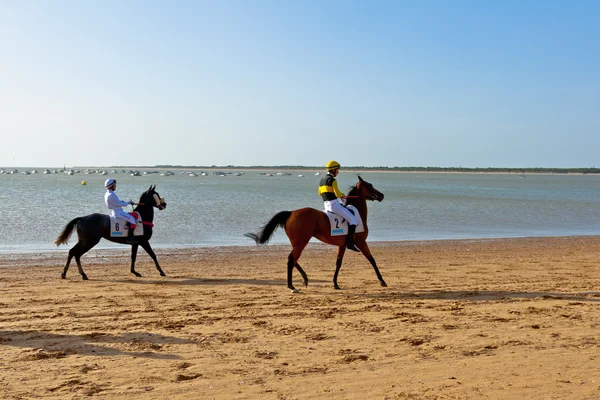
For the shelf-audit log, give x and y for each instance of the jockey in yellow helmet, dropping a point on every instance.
(329, 192)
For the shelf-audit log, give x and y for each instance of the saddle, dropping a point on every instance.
(339, 226)
(120, 228)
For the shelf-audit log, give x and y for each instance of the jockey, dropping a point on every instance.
(329, 192)
(115, 205)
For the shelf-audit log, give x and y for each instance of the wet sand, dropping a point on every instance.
(482, 319)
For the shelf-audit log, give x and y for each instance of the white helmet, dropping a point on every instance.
(109, 182)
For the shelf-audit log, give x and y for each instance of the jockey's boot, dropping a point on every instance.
(130, 238)
(350, 239)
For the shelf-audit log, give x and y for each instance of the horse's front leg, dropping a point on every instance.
(364, 248)
(338, 265)
(134, 249)
(146, 246)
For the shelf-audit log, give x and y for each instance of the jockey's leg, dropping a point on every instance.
(350, 245)
(352, 222)
(132, 225)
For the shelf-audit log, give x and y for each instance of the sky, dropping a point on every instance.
(258, 82)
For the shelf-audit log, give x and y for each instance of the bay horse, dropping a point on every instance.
(93, 227)
(302, 224)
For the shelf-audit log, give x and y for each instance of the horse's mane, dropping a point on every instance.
(352, 190)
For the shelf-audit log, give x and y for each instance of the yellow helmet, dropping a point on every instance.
(332, 165)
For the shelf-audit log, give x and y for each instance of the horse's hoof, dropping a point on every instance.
(305, 283)
(336, 287)
(137, 274)
(294, 290)
(163, 274)
(84, 277)
(384, 284)
(63, 276)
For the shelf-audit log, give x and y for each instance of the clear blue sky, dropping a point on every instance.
(252, 82)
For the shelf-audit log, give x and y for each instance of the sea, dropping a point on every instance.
(217, 209)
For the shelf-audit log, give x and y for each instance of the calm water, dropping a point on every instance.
(214, 211)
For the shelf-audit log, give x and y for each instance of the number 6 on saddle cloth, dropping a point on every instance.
(120, 227)
(339, 226)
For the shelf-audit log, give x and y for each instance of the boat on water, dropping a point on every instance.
(317, 173)
(136, 173)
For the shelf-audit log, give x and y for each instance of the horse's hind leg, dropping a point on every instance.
(290, 267)
(304, 276)
(71, 254)
(84, 248)
(297, 248)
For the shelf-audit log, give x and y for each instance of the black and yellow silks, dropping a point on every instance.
(328, 188)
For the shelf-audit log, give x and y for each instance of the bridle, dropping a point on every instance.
(373, 193)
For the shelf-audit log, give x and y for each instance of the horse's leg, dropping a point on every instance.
(290, 267)
(364, 248)
(83, 248)
(146, 246)
(338, 265)
(304, 276)
(297, 246)
(71, 254)
(134, 249)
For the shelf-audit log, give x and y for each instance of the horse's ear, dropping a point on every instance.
(150, 188)
(360, 179)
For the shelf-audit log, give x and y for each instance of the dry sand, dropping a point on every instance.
(485, 319)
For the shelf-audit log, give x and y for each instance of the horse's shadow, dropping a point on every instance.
(477, 295)
(211, 282)
(54, 345)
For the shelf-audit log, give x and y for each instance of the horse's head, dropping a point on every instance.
(152, 198)
(365, 190)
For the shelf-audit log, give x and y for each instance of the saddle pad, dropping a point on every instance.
(339, 226)
(119, 227)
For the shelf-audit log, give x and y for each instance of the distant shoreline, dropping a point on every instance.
(457, 170)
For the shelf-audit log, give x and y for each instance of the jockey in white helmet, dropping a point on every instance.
(115, 205)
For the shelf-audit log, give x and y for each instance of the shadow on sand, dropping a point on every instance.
(44, 345)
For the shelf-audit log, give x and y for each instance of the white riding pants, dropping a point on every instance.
(123, 215)
(337, 208)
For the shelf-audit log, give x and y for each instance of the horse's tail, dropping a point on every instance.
(66, 233)
(264, 234)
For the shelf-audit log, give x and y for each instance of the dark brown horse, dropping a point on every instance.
(303, 224)
(93, 227)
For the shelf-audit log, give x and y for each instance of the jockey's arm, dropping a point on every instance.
(115, 202)
(337, 192)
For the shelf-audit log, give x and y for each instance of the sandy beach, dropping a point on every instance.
(465, 319)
